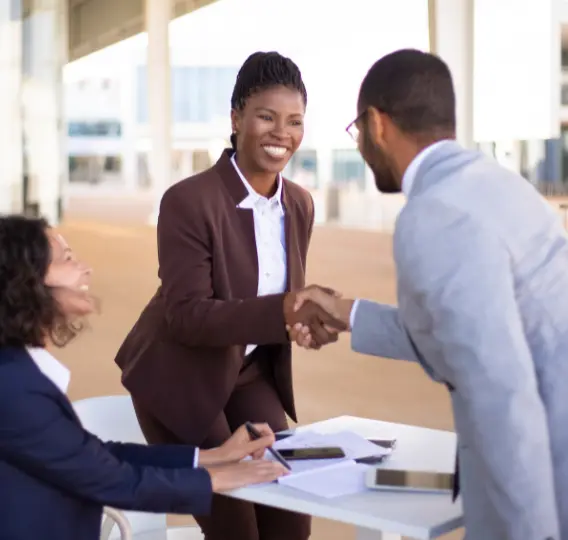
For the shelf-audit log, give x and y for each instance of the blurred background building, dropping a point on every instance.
(86, 125)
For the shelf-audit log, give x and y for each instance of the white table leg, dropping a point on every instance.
(368, 534)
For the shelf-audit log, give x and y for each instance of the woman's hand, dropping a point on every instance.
(237, 475)
(238, 446)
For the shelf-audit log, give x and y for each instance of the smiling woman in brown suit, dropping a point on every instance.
(211, 351)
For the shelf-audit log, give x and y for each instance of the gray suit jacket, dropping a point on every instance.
(482, 269)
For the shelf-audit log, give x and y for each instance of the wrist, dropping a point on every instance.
(344, 308)
(211, 457)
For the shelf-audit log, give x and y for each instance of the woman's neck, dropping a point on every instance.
(264, 183)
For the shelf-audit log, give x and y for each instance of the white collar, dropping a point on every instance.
(54, 370)
(411, 171)
(253, 197)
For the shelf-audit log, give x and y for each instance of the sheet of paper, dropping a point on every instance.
(346, 478)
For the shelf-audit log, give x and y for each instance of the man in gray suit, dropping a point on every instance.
(482, 271)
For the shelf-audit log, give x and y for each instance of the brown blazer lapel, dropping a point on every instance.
(244, 223)
(295, 274)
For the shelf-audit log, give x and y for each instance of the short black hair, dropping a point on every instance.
(415, 90)
(263, 70)
(28, 308)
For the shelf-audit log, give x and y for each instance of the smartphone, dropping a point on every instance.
(385, 479)
(291, 454)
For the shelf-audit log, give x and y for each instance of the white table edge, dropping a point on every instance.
(349, 517)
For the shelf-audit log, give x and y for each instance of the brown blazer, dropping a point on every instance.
(183, 356)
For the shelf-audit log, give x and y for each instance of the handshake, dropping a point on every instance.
(315, 315)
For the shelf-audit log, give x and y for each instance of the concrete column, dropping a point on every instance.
(326, 200)
(451, 38)
(10, 107)
(45, 53)
(128, 120)
(158, 15)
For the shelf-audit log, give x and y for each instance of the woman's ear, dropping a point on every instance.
(235, 121)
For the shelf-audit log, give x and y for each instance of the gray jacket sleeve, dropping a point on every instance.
(378, 331)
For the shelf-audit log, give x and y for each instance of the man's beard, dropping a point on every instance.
(381, 165)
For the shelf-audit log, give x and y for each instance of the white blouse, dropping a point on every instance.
(54, 370)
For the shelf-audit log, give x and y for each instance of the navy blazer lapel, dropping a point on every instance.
(50, 387)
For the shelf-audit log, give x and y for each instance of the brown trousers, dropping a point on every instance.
(254, 399)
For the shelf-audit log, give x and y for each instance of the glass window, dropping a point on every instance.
(348, 168)
(113, 164)
(108, 128)
(303, 169)
(199, 93)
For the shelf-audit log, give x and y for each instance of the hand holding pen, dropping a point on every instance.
(255, 434)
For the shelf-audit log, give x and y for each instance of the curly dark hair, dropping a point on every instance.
(28, 309)
(263, 70)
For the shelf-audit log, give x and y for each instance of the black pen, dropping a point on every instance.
(256, 435)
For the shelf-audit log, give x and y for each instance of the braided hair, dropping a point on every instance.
(263, 70)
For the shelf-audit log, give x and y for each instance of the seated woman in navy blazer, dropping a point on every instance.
(55, 476)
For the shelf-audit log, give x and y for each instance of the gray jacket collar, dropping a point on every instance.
(448, 157)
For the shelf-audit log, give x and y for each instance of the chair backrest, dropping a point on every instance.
(110, 418)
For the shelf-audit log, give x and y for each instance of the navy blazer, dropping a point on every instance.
(55, 477)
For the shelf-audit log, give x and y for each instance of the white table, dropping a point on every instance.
(380, 515)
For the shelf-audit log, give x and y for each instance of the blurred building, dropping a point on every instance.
(108, 128)
(108, 137)
(146, 115)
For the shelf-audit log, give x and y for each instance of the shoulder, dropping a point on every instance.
(13, 359)
(18, 373)
(193, 191)
(435, 239)
(299, 197)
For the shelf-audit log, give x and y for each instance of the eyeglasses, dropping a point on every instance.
(352, 128)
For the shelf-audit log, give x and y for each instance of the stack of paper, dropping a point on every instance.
(329, 477)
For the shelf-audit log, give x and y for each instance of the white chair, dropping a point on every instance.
(114, 517)
(112, 418)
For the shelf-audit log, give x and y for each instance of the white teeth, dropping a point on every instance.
(84, 288)
(275, 151)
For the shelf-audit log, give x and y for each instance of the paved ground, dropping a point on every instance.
(332, 382)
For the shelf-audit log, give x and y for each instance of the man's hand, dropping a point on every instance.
(323, 327)
(238, 446)
(238, 475)
(337, 308)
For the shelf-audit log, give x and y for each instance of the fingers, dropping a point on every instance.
(245, 473)
(300, 334)
(322, 296)
(264, 471)
(329, 291)
(327, 303)
(264, 430)
(258, 446)
(319, 334)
